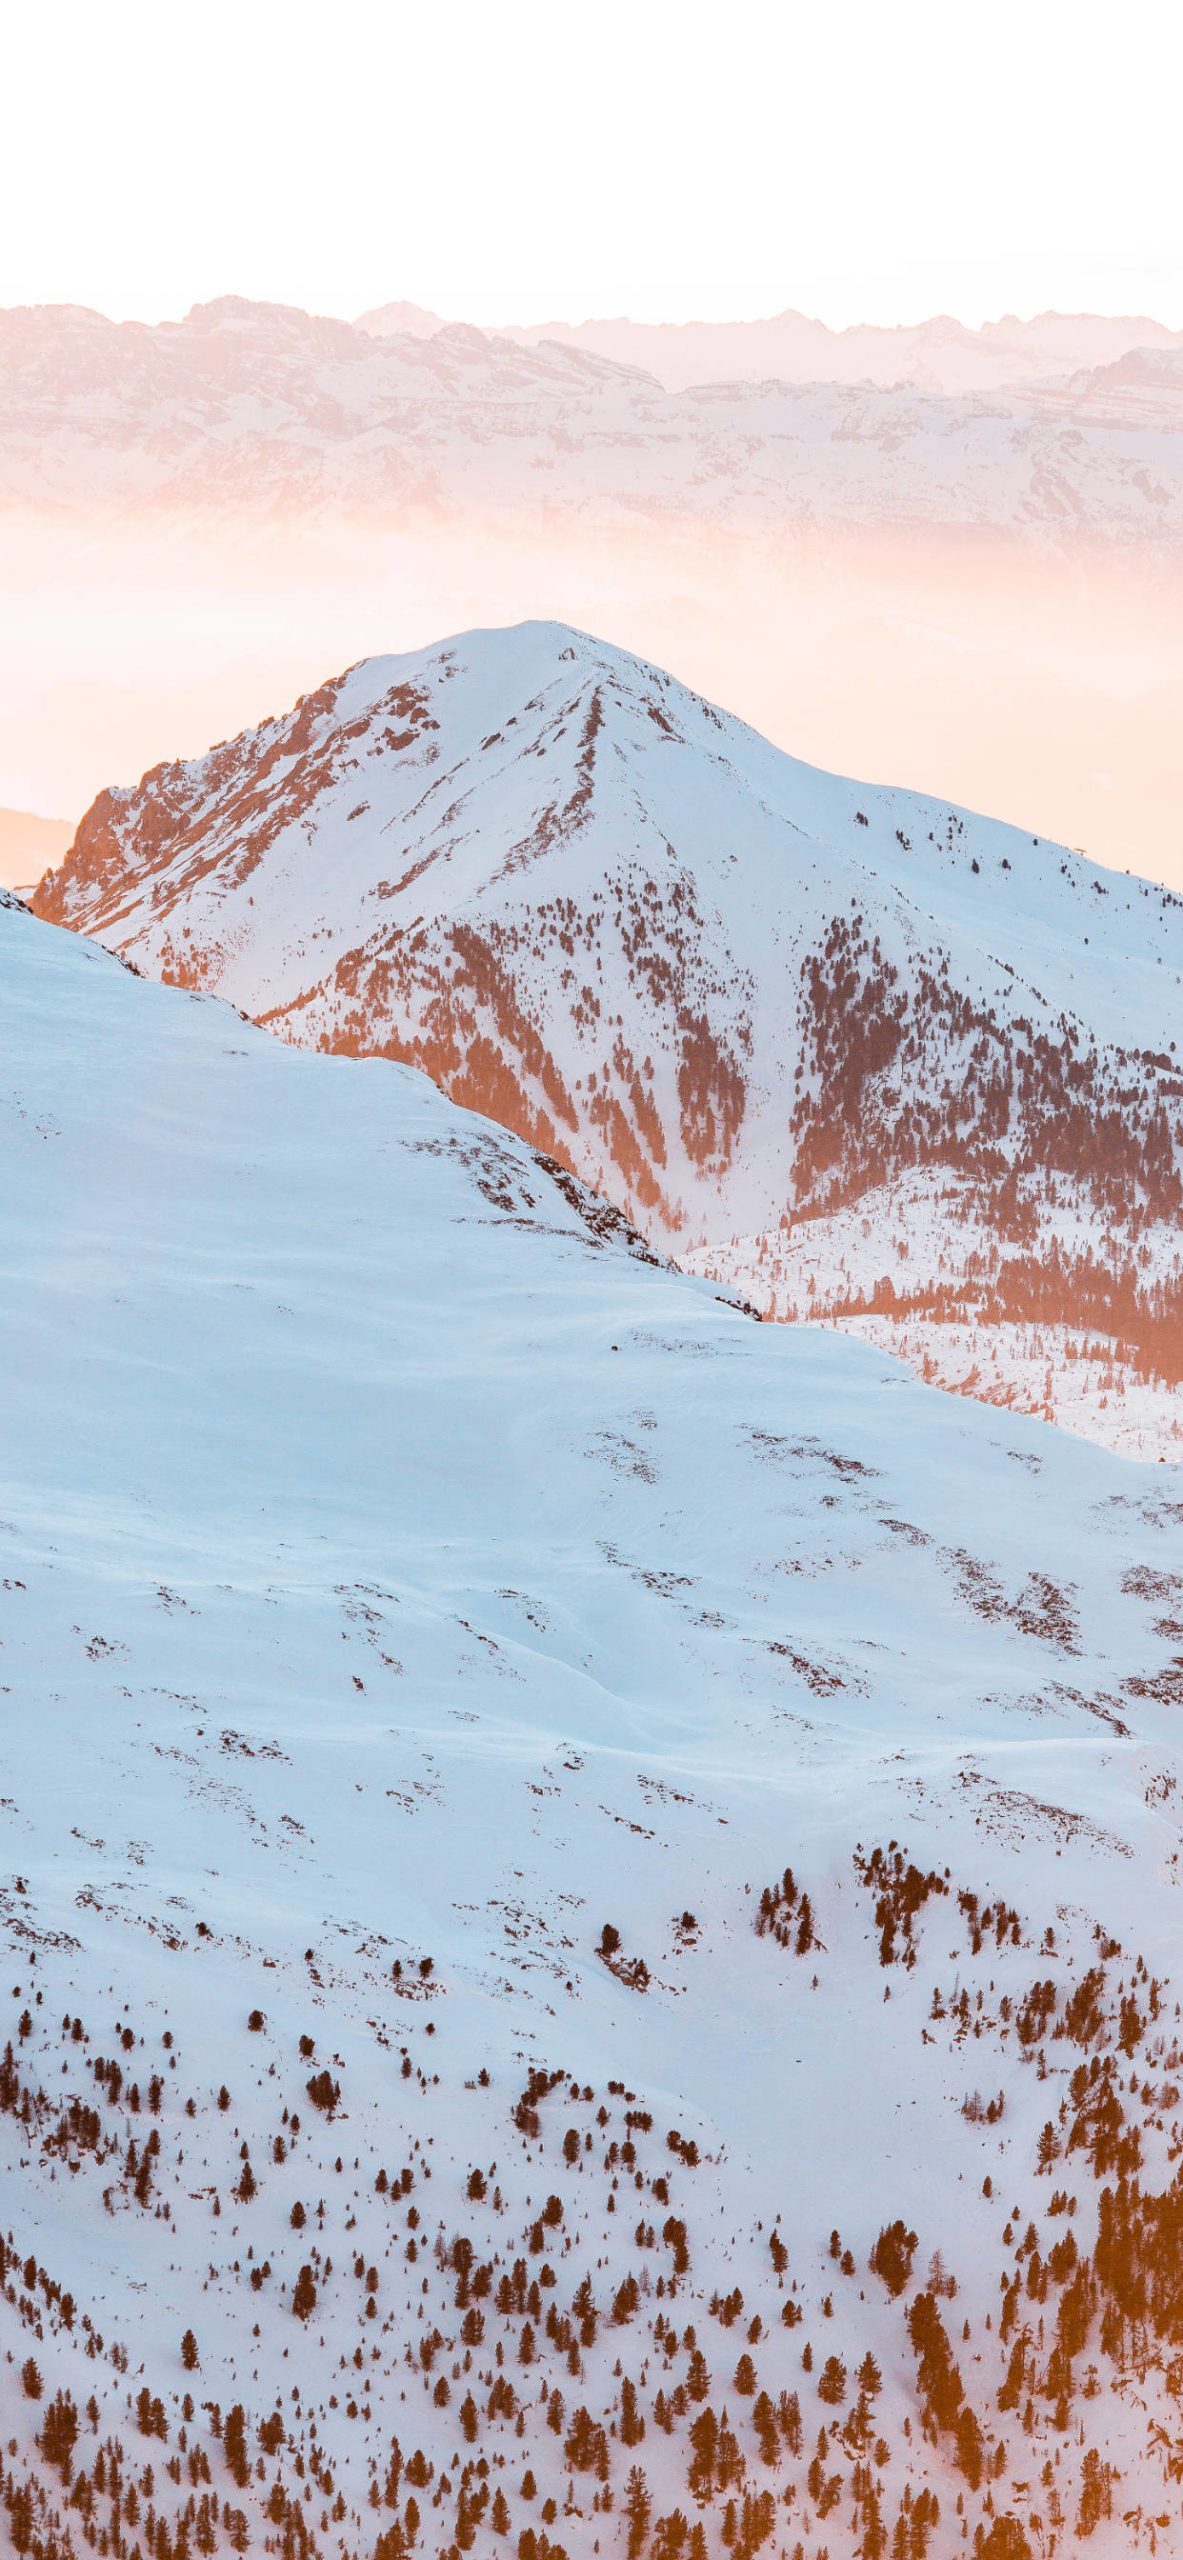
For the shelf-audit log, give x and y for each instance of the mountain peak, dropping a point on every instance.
(853, 1052)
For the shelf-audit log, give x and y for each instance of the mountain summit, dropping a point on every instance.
(858, 1052)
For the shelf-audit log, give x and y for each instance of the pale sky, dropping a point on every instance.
(877, 159)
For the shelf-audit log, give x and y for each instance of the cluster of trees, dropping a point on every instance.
(896, 1078)
(786, 1914)
(901, 1891)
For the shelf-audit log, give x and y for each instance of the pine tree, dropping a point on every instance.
(632, 2425)
(234, 2446)
(637, 2507)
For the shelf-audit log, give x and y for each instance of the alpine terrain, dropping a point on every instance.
(860, 1054)
(592, 1892)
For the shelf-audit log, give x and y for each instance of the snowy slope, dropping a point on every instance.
(407, 1586)
(260, 411)
(855, 1051)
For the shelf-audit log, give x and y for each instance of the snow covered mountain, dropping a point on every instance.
(591, 1888)
(860, 1054)
(260, 409)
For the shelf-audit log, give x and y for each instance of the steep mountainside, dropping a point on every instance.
(255, 408)
(591, 1888)
(859, 1053)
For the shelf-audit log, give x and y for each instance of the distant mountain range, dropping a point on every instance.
(248, 407)
(860, 1054)
(941, 354)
